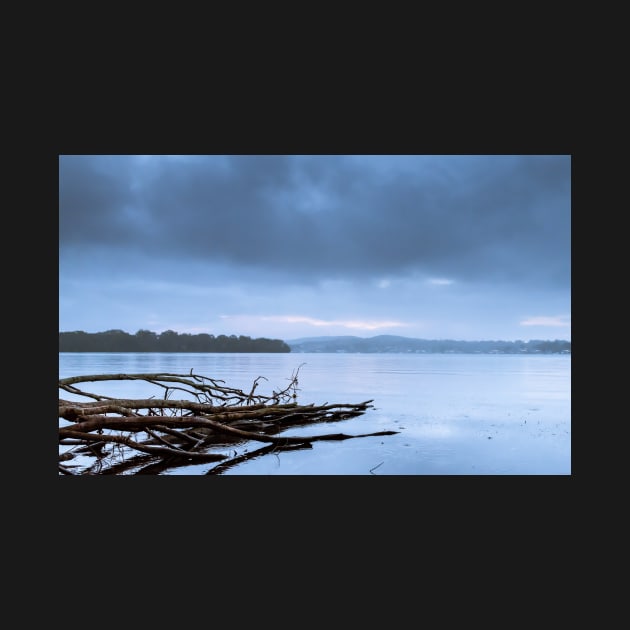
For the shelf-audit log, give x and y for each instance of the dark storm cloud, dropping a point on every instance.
(93, 195)
(472, 217)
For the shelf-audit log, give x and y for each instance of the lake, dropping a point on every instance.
(455, 414)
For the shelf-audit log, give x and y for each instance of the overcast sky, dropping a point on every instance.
(469, 247)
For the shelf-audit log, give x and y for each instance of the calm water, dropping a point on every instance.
(456, 414)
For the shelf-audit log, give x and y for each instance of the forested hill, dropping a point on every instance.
(167, 341)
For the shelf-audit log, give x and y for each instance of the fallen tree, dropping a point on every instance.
(207, 422)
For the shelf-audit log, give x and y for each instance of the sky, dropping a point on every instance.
(466, 247)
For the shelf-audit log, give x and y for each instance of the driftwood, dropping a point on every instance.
(207, 422)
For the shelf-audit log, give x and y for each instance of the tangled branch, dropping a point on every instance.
(207, 422)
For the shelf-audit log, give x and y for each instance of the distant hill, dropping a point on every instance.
(395, 343)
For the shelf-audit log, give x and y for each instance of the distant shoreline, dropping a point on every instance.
(408, 345)
(171, 341)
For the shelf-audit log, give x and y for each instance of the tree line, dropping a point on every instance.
(394, 343)
(167, 341)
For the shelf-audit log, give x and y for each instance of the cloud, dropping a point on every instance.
(440, 281)
(325, 217)
(559, 320)
(367, 325)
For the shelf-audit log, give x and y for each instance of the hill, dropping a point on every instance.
(395, 343)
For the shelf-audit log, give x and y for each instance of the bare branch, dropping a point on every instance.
(202, 426)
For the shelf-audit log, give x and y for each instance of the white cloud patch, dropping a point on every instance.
(440, 281)
(559, 320)
(312, 321)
